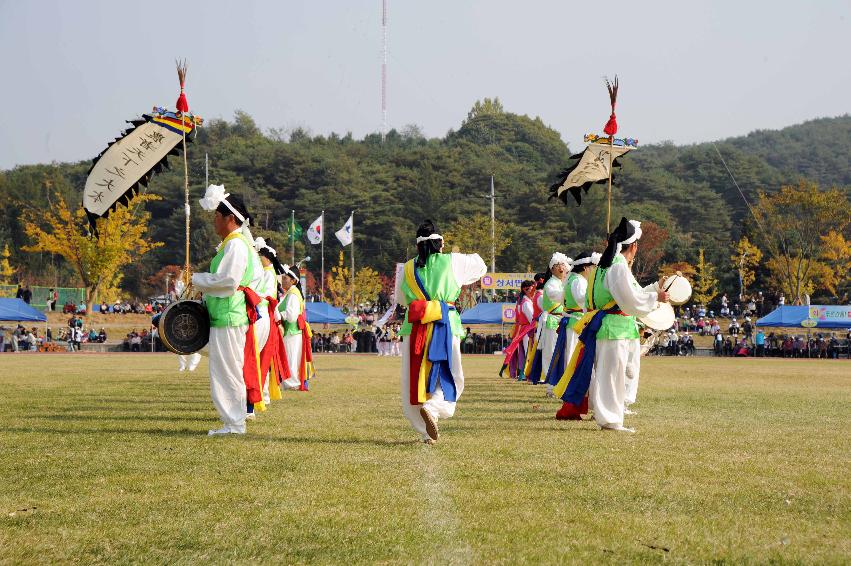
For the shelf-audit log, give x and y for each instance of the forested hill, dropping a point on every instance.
(391, 186)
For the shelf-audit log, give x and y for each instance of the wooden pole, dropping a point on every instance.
(186, 275)
(609, 212)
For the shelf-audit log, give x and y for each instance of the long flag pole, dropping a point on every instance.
(322, 253)
(292, 237)
(353, 262)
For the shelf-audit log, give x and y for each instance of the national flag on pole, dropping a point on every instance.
(314, 231)
(294, 231)
(344, 234)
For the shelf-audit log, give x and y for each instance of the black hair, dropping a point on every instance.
(427, 247)
(540, 280)
(237, 203)
(297, 283)
(547, 275)
(267, 253)
(582, 266)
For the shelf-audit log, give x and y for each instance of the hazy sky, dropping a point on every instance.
(690, 70)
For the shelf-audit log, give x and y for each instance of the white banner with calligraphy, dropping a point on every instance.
(131, 161)
(592, 167)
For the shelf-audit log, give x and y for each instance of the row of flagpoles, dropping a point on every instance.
(316, 235)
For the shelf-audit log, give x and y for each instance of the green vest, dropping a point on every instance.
(615, 326)
(292, 294)
(230, 311)
(569, 302)
(551, 306)
(440, 284)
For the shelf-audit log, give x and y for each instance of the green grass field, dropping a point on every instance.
(105, 458)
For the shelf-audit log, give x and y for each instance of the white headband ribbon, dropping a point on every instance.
(215, 196)
(260, 243)
(634, 238)
(290, 272)
(559, 257)
(421, 239)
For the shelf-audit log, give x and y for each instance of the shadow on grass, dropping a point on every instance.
(199, 433)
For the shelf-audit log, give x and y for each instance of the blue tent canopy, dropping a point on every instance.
(484, 313)
(323, 313)
(813, 316)
(18, 310)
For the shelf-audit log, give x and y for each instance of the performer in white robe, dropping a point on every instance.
(575, 289)
(552, 304)
(266, 286)
(429, 288)
(618, 336)
(291, 307)
(231, 268)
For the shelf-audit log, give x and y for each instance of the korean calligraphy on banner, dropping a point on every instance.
(505, 281)
(132, 160)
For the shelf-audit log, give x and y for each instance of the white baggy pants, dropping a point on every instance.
(607, 392)
(292, 344)
(633, 369)
(437, 406)
(261, 332)
(189, 362)
(227, 386)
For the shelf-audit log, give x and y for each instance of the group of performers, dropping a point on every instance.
(576, 327)
(578, 332)
(259, 336)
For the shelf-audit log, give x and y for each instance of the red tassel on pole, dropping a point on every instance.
(611, 127)
(182, 103)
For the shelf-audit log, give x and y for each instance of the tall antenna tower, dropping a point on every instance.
(384, 51)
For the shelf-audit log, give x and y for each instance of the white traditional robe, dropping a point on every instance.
(607, 393)
(227, 344)
(293, 343)
(554, 288)
(467, 269)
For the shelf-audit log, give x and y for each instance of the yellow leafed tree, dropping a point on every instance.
(745, 261)
(836, 258)
(6, 269)
(339, 284)
(473, 235)
(98, 261)
(705, 286)
(795, 222)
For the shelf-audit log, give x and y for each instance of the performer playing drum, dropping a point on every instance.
(607, 332)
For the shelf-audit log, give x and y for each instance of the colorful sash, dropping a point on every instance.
(306, 371)
(556, 368)
(535, 368)
(273, 358)
(251, 364)
(430, 343)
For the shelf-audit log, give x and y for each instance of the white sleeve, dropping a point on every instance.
(579, 288)
(632, 300)
(468, 268)
(269, 284)
(540, 301)
(527, 309)
(399, 295)
(555, 291)
(225, 280)
(293, 309)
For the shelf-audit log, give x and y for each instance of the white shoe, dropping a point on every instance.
(192, 368)
(629, 412)
(180, 369)
(618, 428)
(250, 417)
(218, 432)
